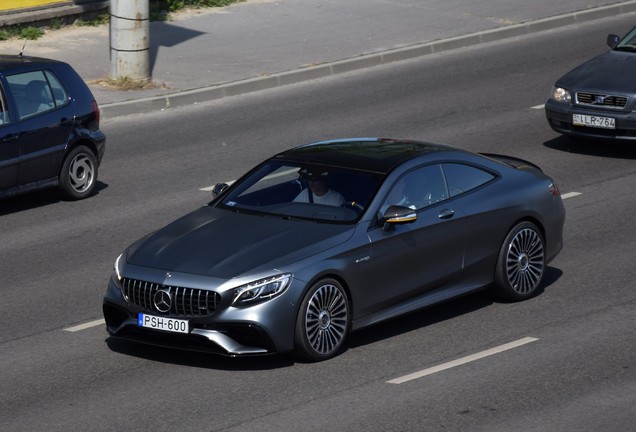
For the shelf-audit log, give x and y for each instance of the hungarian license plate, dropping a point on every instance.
(593, 121)
(162, 323)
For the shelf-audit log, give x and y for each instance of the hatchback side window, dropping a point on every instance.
(4, 108)
(31, 92)
(461, 178)
(60, 97)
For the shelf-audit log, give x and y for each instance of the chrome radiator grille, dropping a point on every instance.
(601, 100)
(182, 301)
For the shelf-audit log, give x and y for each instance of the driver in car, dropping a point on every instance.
(317, 190)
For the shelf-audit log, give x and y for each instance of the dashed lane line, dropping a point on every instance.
(85, 326)
(462, 361)
(570, 195)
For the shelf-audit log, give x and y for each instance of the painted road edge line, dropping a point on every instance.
(85, 326)
(463, 360)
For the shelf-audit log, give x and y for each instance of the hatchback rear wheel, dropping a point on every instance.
(79, 173)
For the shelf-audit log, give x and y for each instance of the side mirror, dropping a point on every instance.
(218, 189)
(396, 215)
(613, 40)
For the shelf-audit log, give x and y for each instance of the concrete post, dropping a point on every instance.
(130, 39)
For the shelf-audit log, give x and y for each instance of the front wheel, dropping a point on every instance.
(322, 324)
(79, 173)
(521, 263)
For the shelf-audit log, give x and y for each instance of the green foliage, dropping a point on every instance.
(55, 24)
(160, 9)
(94, 22)
(30, 33)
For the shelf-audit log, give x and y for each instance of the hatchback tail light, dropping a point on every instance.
(96, 111)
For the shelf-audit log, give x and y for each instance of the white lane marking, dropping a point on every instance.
(538, 107)
(85, 326)
(570, 195)
(463, 360)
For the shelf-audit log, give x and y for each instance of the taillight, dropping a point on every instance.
(96, 111)
(554, 189)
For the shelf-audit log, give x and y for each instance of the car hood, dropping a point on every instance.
(225, 244)
(611, 72)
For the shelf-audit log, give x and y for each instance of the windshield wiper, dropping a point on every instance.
(626, 48)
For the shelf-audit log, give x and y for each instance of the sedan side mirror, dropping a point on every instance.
(396, 215)
(218, 189)
(613, 40)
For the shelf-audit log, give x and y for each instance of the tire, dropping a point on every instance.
(521, 263)
(79, 173)
(323, 321)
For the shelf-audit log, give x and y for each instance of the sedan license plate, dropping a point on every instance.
(593, 121)
(162, 323)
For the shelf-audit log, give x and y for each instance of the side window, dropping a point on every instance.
(4, 108)
(31, 92)
(418, 188)
(57, 90)
(461, 178)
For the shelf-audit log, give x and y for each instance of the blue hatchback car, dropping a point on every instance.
(49, 128)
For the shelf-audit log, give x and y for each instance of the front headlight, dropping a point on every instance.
(261, 290)
(117, 268)
(560, 94)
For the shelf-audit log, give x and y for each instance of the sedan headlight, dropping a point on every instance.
(261, 290)
(560, 94)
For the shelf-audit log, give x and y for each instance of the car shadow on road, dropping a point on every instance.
(600, 148)
(40, 198)
(439, 313)
(199, 359)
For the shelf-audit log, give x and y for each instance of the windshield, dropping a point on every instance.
(302, 191)
(628, 43)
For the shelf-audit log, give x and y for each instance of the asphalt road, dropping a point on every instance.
(577, 373)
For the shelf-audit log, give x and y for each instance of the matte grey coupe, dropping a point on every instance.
(597, 99)
(331, 237)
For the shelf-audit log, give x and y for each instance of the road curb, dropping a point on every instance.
(219, 91)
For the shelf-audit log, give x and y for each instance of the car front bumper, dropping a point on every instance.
(559, 116)
(262, 329)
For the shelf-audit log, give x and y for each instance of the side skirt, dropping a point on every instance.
(428, 299)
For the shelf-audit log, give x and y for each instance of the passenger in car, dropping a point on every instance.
(37, 99)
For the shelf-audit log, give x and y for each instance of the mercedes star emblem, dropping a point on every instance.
(163, 301)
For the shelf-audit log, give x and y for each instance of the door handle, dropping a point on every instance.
(446, 214)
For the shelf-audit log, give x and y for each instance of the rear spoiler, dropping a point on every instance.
(512, 161)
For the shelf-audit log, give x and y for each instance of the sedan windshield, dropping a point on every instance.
(303, 191)
(628, 43)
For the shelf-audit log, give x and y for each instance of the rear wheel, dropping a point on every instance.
(79, 173)
(521, 263)
(322, 324)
